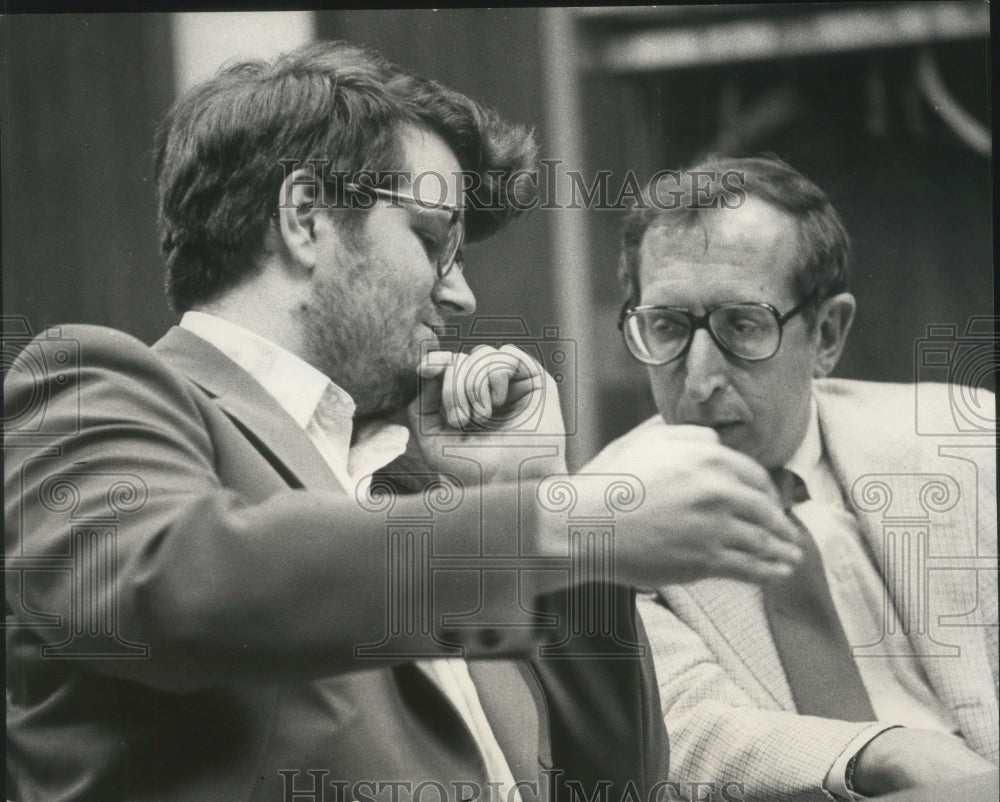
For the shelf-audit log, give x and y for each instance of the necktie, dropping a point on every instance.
(807, 631)
(512, 713)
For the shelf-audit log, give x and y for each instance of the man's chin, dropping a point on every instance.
(388, 399)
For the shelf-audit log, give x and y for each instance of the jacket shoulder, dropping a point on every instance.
(863, 391)
(83, 333)
(70, 375)
(67, 349)
(925, 407)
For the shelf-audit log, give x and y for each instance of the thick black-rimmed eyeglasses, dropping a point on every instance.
(445, 254)
(657, 335)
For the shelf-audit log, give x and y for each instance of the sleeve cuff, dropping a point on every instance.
(837, 778)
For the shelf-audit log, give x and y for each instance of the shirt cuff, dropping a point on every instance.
(836, 778)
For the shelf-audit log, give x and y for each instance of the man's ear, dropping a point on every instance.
(298, 214)
(833, 322)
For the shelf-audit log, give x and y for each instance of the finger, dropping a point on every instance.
(452, 397)
(751, 472)
(764, 511)
(481, 408)
(493, 370)
(486, 375)
(526, 366)
(433, 363)
(527, 376)
(468, 376)
(522, 387)
(499, 383)
(483, 371)
(741, 565)
(703, 434)
(428, 401)
(762, 544)
(736, 505)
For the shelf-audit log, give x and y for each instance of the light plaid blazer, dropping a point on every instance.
(725, 698)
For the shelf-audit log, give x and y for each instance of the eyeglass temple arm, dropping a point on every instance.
(783, 319)
(623, 313)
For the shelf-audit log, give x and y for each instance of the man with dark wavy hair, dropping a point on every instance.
(234, 575)
(834, 682)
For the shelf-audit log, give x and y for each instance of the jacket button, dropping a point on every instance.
(489, 638)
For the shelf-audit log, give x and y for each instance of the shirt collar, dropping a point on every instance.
(807, 461)
(293, 382)
(807, 456)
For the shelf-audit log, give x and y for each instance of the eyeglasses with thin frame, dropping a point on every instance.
(446, 251)
(658, 335)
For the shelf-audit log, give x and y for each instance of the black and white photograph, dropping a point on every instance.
(513, 404)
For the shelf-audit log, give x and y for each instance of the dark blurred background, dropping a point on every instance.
(885, 105)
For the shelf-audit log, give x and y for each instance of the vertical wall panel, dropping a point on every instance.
(81, 98)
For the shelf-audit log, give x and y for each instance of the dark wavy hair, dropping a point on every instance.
(219, 153)
(720, 182)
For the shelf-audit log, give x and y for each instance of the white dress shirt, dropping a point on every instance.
(326, 413)
(896, 685)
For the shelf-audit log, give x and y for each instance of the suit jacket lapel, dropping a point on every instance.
(855, 438)
(512, 701)
(730, 616)
(262, 419)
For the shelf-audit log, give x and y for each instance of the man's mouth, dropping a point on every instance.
(435, 324)
(721, 427)
(725, 426)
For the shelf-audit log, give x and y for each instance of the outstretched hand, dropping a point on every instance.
(706, 511)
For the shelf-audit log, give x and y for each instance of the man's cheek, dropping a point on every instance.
(666, 394)
(740, 438)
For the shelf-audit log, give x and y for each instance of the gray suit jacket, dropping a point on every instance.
(910, 473)
(187, 595)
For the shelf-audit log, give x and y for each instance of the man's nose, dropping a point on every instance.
(453, 295)
(704, 367)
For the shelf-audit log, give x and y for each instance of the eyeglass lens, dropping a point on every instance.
(450, 242)
(746, 331)
(447, 258)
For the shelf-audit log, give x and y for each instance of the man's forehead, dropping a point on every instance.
(757, 235)
(431, 166)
